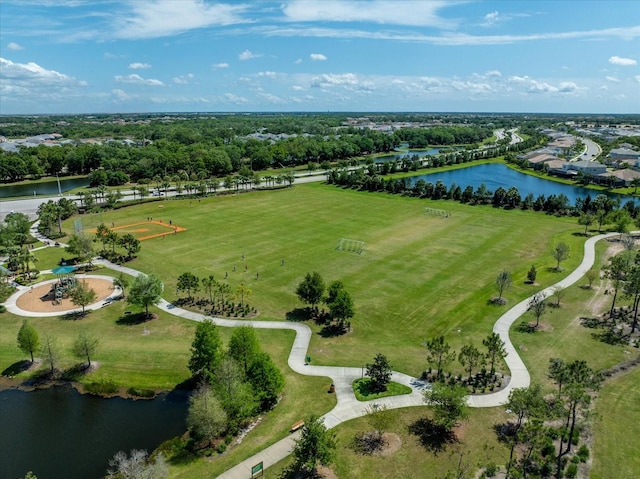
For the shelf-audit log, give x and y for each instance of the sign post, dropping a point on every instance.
(257, 470)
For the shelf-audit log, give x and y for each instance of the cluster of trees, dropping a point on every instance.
(203, 153)
(311, 290)
(84, 346)
(220, 298)
(546, 427)
(623, 271)
(601, 210)
(440, 355)
(52, 213)
(443, 135)
(233, 384)
(107, 236)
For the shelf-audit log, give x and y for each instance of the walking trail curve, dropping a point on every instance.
(348, 407)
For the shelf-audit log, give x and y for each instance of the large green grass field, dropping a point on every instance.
(419, 276)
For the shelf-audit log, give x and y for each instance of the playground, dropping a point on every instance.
(42, 298)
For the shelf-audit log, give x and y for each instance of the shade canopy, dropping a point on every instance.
(63, 270)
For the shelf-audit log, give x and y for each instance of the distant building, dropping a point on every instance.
(619, 177)
(618, 156)
(585, 166)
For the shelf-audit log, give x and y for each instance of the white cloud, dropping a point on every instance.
(637, 77)
(139, 66)
(153, 19)
(248, 55)
(491, 19)
(14, 46)
(120, 95)
(33, 76)
(267, 74)
(612, 79)
(396, 12)
(297, 88)
(317, 57)
(331, 79)
(472, 87)
(298, 61)
(183, 79)
(235, 98)
(220, 65)
(568, 87)
(135, 79)
(624, 62)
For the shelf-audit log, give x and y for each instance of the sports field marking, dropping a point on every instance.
(137, 228)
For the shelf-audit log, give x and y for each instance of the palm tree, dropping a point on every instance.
(243, 291)
(635, 183)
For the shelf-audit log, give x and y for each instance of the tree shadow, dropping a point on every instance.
(17, 368)
(331, 331)
(591, 323)
(525, 327)
(497, 301)
(298, 315)
(610, 337)
(432, 436)
(74, 315)
(74, 373)
(504, 431)
(133, 319)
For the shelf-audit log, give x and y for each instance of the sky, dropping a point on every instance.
(127, 56)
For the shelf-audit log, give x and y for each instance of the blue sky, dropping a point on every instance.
(91, 56)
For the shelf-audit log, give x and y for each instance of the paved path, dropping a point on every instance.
(348, 407)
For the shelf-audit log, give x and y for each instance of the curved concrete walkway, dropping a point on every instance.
(348, 407)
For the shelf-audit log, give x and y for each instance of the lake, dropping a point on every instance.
(495, 175)
(59, 433)
(46, 188)
(407, 154)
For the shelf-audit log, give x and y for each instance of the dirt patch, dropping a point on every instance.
(392, 443)
(38, 300)
(325, 473)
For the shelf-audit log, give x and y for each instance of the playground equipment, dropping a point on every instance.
(60, 289)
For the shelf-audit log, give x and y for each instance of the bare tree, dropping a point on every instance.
(137, 466)
(537, 306)
(503, 283)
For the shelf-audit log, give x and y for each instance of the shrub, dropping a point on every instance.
(103, 387)
(572, 471)
(3, 309)
(141, 392)
(491, 469)
(583, 453)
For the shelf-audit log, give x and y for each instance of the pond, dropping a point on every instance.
(408, 154)
(45, 188)
(59, 433)
(495, 175)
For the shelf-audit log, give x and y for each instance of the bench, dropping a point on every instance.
(297, 426)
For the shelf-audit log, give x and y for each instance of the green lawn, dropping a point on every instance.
(477, 445)
(419, 275)
(562, 334)
(362, 390)
(615, 452)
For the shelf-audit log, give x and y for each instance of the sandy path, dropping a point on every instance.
(30, 300)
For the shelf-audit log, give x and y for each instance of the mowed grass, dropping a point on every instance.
(562, 334)
(478, 446)
(615, 452)
(419, 276)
